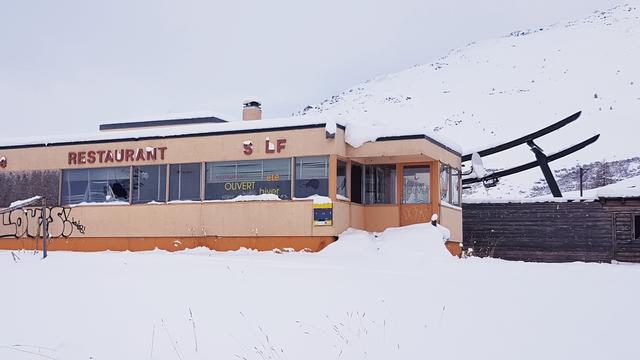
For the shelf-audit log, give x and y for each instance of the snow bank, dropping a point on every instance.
(403, 245)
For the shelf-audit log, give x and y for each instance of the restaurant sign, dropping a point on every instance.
(117, 155)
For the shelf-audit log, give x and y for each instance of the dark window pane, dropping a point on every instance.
(184, 182)
(149, 183)
(637, 226)
(380, 184)
(312, 176)
(74, 186)
(341, 184)
(356, 183)
(227, 180)
(416, 185)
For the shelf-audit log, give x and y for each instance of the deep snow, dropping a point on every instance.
(396, 295)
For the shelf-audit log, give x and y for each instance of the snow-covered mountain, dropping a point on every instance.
(496, 90)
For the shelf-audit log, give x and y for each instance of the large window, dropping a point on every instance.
(356, 183)
(380, 184)
(341, 179)
(184, 182)
(226, 180)
(19, 185)
(416, 185)
(149, 184)
(95, 185)
(312, 176)
(450, 185)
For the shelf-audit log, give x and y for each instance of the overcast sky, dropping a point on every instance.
(67, 66)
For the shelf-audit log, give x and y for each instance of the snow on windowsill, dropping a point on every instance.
(450, 206)
(109, 203)
(20, 203)
(317, 199)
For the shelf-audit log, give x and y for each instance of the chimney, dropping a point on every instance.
(251, 110)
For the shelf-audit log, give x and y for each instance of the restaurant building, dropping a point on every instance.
(201, 181)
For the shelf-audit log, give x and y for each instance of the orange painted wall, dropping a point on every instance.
(218, 243)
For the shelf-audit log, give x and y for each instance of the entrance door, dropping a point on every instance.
(415, 184)
(626, 236)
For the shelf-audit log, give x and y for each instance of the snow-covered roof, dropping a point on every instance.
(627, 188)
(356, 134)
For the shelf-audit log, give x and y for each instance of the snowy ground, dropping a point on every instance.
(399, 296)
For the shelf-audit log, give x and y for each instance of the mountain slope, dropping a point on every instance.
(496, 90)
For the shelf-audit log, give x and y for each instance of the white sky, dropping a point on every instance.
(67, 66)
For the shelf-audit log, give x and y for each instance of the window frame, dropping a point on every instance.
(162, 171)
(327, 174)
(429, 185)
(64, 197)
(169, 182)
(209, 168)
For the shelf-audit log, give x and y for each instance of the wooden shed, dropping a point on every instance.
(604, 227)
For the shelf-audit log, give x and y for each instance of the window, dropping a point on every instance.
(380, 184)
(184, 182)
(356, 183)
(149, 184)
(18, 185)
(445, 183)
(226, 180)
(456, 186)
(416, 185)
(95, 185)
(341, 179)
(450, 185)
(312, 176)
(636, 223)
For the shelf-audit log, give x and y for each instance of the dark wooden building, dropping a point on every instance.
(600, 230)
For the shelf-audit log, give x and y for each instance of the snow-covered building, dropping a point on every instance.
(601, 226)
(198, 180)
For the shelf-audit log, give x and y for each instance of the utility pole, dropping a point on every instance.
(45, 228)
(582, 172)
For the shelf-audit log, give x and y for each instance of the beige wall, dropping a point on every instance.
(357, 216)
(304, 142)
(451, 218)
(251, 218)
(380, 217)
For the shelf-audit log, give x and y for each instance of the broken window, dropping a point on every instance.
(95, 185)
(20, 185)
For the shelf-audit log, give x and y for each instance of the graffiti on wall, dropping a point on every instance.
(28, 223)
